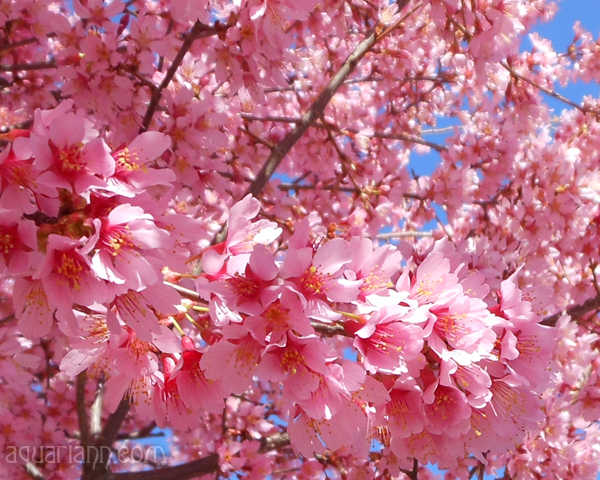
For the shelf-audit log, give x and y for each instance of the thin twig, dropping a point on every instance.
(405, 137)
(389, 236)
(199, 30)
(185, 292)
(329, 330)
(547, 91)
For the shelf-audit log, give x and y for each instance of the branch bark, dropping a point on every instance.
(202, 466)
(199, 30)
(318, 107)
(576, 312)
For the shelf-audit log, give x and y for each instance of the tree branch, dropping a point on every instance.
(404, 137)
(576, 312)
(547, 91)
(113, 424)
(316, 110)
(97, 468)
(82, 417)
(202, 466)
(28, 66)
(199, 30)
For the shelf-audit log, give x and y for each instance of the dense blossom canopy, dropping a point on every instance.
(210, 231)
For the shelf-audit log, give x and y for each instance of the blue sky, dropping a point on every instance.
(560, 32)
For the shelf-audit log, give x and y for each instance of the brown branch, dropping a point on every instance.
(389, 236)
(96, 467)
(405, 137)
(199, 30)
(27, 41)
(576, 312)
(414, 473)
(11, 46)
(82, 417)
(304, 186)
(317, 108)
(329, 330)
(202, 466)
(28, 66)
(7, 319)
(113, 424)
(134, 73)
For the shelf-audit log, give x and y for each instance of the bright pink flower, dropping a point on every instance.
(125, 238)
(386, 343)
(374, 267)
(230, 458)
(66, 150)
(318, 277)
(168, 404)
(93, 349)
(297, 362)
(67, 276)
(242, 235)
(405, 412)
(133, 173)
(433, 281)
(17, 182)
(528, 351)
(461, 324)
(347, 428)
(446, 409)
(281, 315)
(17, 238)
(327, 399)
(139, 310)
(248, 278)
(196, 391)
(513, 408)
(133, 369)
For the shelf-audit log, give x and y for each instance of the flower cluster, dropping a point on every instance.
(443, 368)
(297, 327)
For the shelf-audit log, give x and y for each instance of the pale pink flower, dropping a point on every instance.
(139, 310)
(32, 308)
(433, 281)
